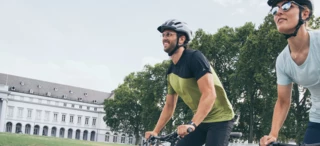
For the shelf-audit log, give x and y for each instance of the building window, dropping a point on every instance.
(47, 115)
(72, 105)
(88, 108)
(29, 113)
(20, 111)
(55, 117)
(64, 104)
(95, 109)
(63, 118)
(28, 129)
(123, 138)
(107, 137)
(130, 139)
(79, 119)
(115, 137)
(10, 112)
(86, 121)
(38, 117)
(71, 118)
(80, 106)
(94, 121)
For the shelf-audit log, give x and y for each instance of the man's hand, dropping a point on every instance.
(149, 133)
(267, 139)
(182, 130)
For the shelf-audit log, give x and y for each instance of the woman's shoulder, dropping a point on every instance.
(315, 34)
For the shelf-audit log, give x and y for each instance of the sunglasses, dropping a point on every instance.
(285, 7)
(167, 34)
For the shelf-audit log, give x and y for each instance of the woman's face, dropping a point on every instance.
(286, 16)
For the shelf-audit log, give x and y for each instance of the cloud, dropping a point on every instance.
(316, 8)
(150, 60)
(228, 2)
(238, 11)
(69, 72)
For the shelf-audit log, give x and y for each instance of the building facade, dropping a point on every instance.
(35, 107)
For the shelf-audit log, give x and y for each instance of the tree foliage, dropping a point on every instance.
(244, 59)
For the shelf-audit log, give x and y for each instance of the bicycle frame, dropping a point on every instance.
(283, 144)
(173, 138)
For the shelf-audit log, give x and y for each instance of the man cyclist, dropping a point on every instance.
(191, 77)
(298, 62)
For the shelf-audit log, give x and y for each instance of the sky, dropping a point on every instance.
(95, 44)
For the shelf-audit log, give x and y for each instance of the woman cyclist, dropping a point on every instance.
(299, 62)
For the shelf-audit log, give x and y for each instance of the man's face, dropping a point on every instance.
(169, 40)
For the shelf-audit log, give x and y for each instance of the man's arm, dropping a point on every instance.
(167, 112)
(207, 99)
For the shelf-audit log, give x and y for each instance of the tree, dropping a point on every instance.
(314, 23)
(138, 102)
(244, 59)
(124, 112)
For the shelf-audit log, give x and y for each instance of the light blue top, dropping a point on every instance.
(306, 74)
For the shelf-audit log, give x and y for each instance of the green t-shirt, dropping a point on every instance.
(182, 79)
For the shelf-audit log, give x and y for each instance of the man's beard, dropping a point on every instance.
(170, 48)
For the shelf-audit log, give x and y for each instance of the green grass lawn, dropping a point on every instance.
(10, 139)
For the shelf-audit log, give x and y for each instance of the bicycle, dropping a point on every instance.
(173, 137)
(283, 144)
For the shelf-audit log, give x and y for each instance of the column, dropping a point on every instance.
(23, 128)
(40, 130)
(57, 132)
(81, 135)
(74, 134)
(89, 136)
(3, 114)
(31, 129)
(14, 127)
(66, 133)
(49, 131)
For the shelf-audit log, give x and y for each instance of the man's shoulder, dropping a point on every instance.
(190, 53)
(169, 69)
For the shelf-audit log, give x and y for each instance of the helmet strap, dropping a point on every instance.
(300, 22)
(177, 46)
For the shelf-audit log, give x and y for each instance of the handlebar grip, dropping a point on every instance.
(273, 144)
(189, 130)
(151, 139)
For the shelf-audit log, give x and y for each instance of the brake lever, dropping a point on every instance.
(189, 130)
(151, 140)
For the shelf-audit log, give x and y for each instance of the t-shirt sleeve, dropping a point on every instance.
(170, 89)
(199, 65)
(282, 77)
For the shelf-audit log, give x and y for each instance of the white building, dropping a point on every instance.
(37, 107)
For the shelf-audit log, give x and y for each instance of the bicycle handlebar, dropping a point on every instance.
(172, 137)
(280, 144)
(235, 134)
(283, 144)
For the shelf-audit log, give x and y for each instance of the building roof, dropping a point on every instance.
(52, 90)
